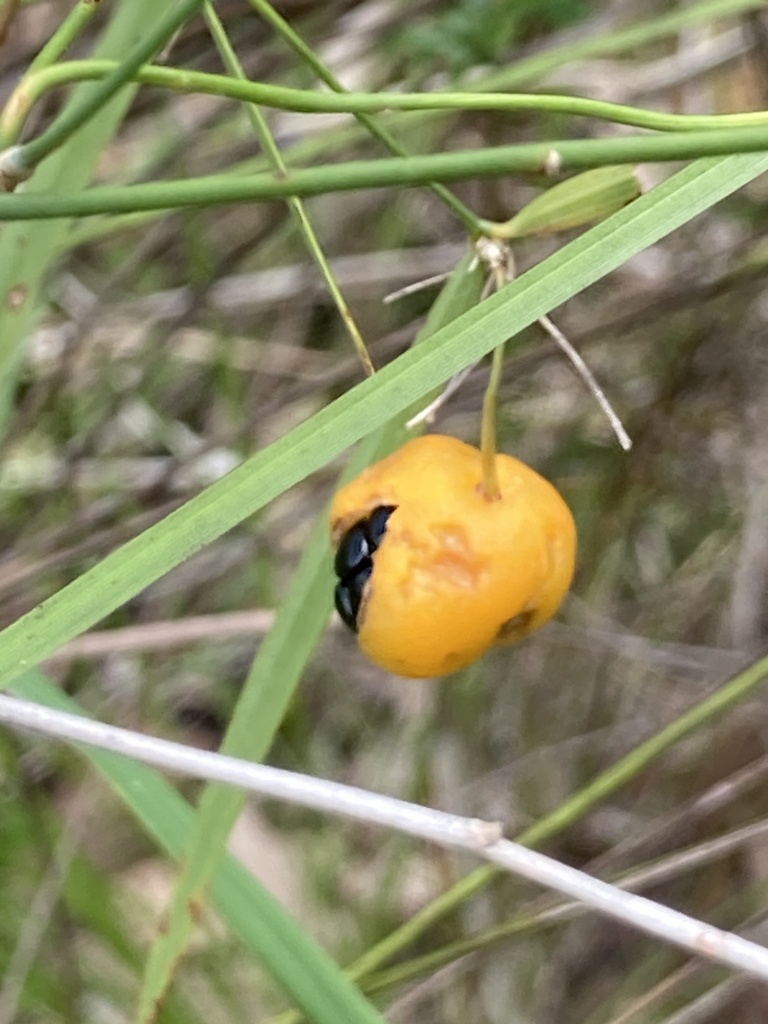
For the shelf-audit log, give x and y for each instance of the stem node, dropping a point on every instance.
(13, 169)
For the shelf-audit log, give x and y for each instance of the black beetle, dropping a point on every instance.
(353, 563)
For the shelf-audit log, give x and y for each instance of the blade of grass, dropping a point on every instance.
(305, 972)
(92, 899)
(354, 415)
(271, 683)
(273, 678)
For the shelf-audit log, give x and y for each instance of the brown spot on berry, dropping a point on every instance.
(514, 628)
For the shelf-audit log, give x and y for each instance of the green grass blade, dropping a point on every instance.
(273, 678)
(354, 415)
(271, 683)
(301, 967)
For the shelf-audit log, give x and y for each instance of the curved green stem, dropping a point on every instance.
(416, 170)
(74, 23)
(524, 71)
(530, 69)
(76, 114)
(315, 102)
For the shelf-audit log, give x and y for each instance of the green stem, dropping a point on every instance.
(297, 44)
(359, 104)
(76, 114)
(502, 271)
(490, 483)
(235, 69)
(534, 68)
(416, 170)
(275, 157)
(74, 23)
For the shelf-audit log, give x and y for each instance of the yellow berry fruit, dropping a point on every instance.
(433, 572)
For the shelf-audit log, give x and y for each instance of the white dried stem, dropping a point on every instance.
(448, 830)
(415, 286)
(428, 413)
(589, 379)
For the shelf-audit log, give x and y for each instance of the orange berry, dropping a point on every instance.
(448, 572)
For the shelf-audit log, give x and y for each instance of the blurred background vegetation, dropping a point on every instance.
(172, 346)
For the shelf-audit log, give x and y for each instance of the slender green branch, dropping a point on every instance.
(416, 170)
(295, 205)
(315, 102)
(390, 143)
(498, 256)
(235, 69)
(74, 23)
(76, 114)
(491, 489)
(524, 71)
